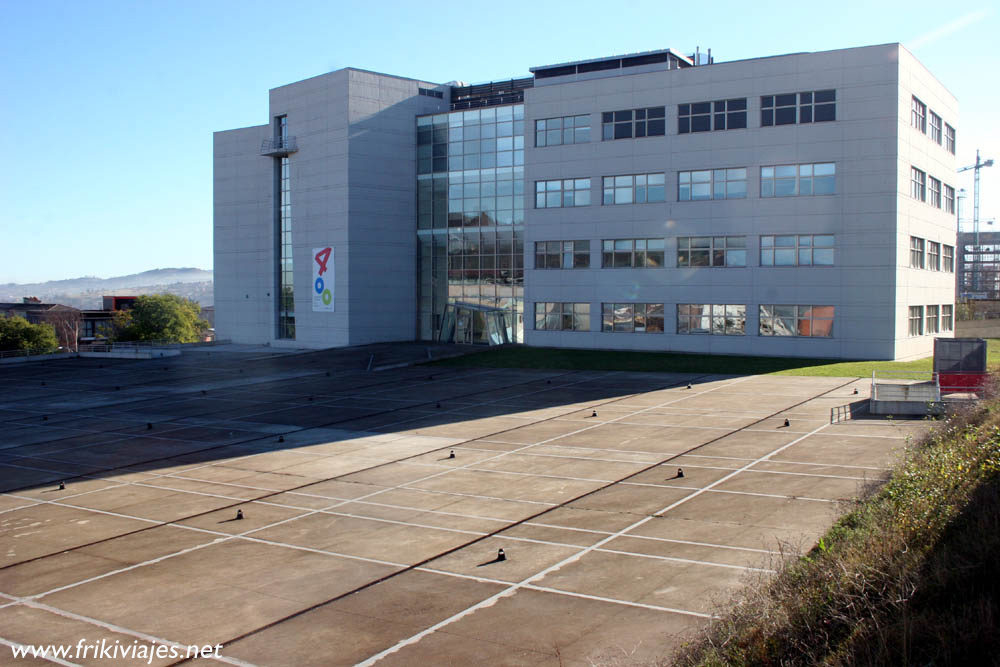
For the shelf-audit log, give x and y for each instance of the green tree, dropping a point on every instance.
(161, 317)
(16, 333)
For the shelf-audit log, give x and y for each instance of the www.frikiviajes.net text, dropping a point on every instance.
(112, 650)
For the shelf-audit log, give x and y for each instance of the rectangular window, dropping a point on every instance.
(918, 115)
(635, 189)
(791, 180)
(949, 199)
(633, 123)
(565, 130)
(712, 184)
(918, 184)
(935, 128)
(698, 251)
(810, 321)
(916, 253)
(947, 323)
(933, 256)
(632, 317)
(790, 108)
(562, 193)
(949, 138)
(562, 254)
(715, 319)
(931, 320)
(949, 259)
(562, 316)
(718, 115)
(916, 320)
(935, 188)
(427, 92)
(797, 250)
(632, 253)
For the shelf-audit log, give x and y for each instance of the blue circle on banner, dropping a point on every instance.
(319, 285)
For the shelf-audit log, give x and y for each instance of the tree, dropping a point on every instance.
(161, 317)
(66, 322)
(16, 333)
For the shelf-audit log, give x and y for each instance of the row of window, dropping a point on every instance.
(692, 318)
(931, 319)
(694, 251)
(931, 255)
(787, 109)
(792, 180)
(928, 189)
(919, 116)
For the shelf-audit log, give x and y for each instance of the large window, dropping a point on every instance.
(931, 320)
(565, 130)
(935, 128)
(916, 320)
(712, 184)
(812, 321)
(949, 198)
(935, 189)
(797, 250)
(705, 116)
(562, 193)
(694, 251)
(633, 123)
(918, 115)
(933, 256)
(632, 253)
(949, 258)
(949, 138)
(557, 316)
(562, 254)
(947, 323)
(286, 282)
(791, 180)
(632, 317)
(918, 184)
(814, 107)
(707, 318)
(916, 253)
(635, 189)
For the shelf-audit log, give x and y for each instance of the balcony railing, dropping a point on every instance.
(278, 147)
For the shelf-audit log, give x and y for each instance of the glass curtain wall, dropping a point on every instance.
(286, 289)
(470, 220)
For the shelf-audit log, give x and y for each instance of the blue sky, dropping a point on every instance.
(112, 105)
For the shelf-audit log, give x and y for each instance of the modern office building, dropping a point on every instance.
(792, 205)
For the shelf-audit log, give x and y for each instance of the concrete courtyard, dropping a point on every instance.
(364, 541)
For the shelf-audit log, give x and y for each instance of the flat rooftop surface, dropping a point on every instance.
(364, 541)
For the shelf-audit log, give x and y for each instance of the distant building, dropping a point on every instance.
(97, 324)
(979, 265)
(64, 319)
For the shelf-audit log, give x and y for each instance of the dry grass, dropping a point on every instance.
(910, 576)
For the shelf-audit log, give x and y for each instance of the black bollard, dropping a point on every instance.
(239, 515)
(594, 413)
(501, 555)
(680, 472)
(788, 423)
(281, 438)
(62, 486)
(855, 391)
(452, 455)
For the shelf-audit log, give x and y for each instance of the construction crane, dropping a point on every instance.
(975, 204)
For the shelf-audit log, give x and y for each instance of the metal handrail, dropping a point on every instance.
(278, 144)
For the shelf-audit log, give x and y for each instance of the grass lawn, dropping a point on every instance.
(520, 356)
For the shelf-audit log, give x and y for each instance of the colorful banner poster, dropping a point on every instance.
(322, 280)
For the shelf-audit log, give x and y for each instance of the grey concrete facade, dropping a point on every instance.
(353, 187)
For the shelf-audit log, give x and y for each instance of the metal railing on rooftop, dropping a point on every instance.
(278, 146)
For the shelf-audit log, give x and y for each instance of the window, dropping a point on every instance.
(815, 107)
(633, 123)
(564, 193)
(286, 283)
(712, 184)
(705, 116)
(632, 253)
(949, 138)
(949, 199)
(695, 251)
(916, 253)
(918, 184)
(918, 115)
(562, 254)
(935, 192)
(811, 321)
(797, 250)
(716, 319)
(916, 320)
(632, 317)
(936, 128)
(931, 320)
(637, 189)
(933, 256)
(947, 323)
(562, 316)
(792, 180)
(427, 92)
(565, 130)
(949, 259)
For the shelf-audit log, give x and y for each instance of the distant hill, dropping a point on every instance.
(86, 292)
